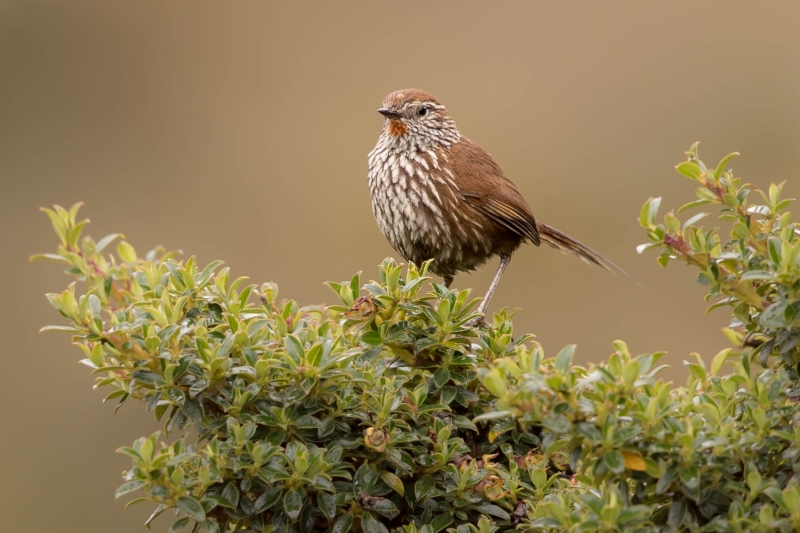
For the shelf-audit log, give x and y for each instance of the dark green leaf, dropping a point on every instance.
(386, 508)
(492, 510)
(145, 376)
(191, 507)
(441, 521)
(178, 524)
(666, 480)
(231, 493)
(343, 524)
(267, 499)
(676, 514)
(423, 487)
(292, 504)
(370, 525)
(441, 377)
(327, 504)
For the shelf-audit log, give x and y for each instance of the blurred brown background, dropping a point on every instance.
(240, 132)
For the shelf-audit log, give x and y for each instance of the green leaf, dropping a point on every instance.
(443, 310)
(723, 164)
(386, 507)
(202, 277)
(105, 241)
(423, 487)
(696, 203)
(370, 525)
(495, 382)
(672, 223)
(126, 252)
(97, 356)
(556, 423)
(614, 461)
(630, 373)
(492, 415)
(649, 211)
(327, 504)
(666, 480)
(646, 246)
(50, 257)
(231, 493)
(757, 274)
(294, 347)
(73, 211)
(441, 521)
(719, 360)
(492, 510)
(564, 358)
(696, 218)
(292, 504)
(411, 285)
(690, 170)
(128, 487)
(775, 250)
(137, 500)
(394, 482)
(267, 499)
(191, 508)
(343, 524)
(314, 355)
(145, 376)
(66, 329)
(372, 337)
(178, 524)
(676, 513)
(448, 394)
(441, 377)
(355, 284)
(58, 224)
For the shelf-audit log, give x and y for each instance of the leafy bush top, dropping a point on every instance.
(388, 411)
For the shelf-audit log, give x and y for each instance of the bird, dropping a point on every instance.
(437, 195)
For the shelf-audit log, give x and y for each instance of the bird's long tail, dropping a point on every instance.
(564, 243)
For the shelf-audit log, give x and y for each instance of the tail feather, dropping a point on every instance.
(564, 243)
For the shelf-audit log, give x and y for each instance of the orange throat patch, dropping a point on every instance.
(396, 128)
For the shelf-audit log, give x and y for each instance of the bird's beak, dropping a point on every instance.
(388, 113)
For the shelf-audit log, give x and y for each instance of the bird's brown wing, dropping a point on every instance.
(483, 186)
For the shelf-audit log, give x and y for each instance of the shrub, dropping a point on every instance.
(388, 411)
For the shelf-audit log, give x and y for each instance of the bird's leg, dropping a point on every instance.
(504, 260)
(448, 280)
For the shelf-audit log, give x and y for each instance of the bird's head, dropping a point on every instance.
(416, 112)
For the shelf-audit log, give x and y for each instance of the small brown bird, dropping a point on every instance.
(436, 194)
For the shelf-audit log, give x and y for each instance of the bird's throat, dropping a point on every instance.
(396, 128)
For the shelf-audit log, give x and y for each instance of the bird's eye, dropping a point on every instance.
(422, 111)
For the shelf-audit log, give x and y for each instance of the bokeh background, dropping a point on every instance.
(239, 131)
